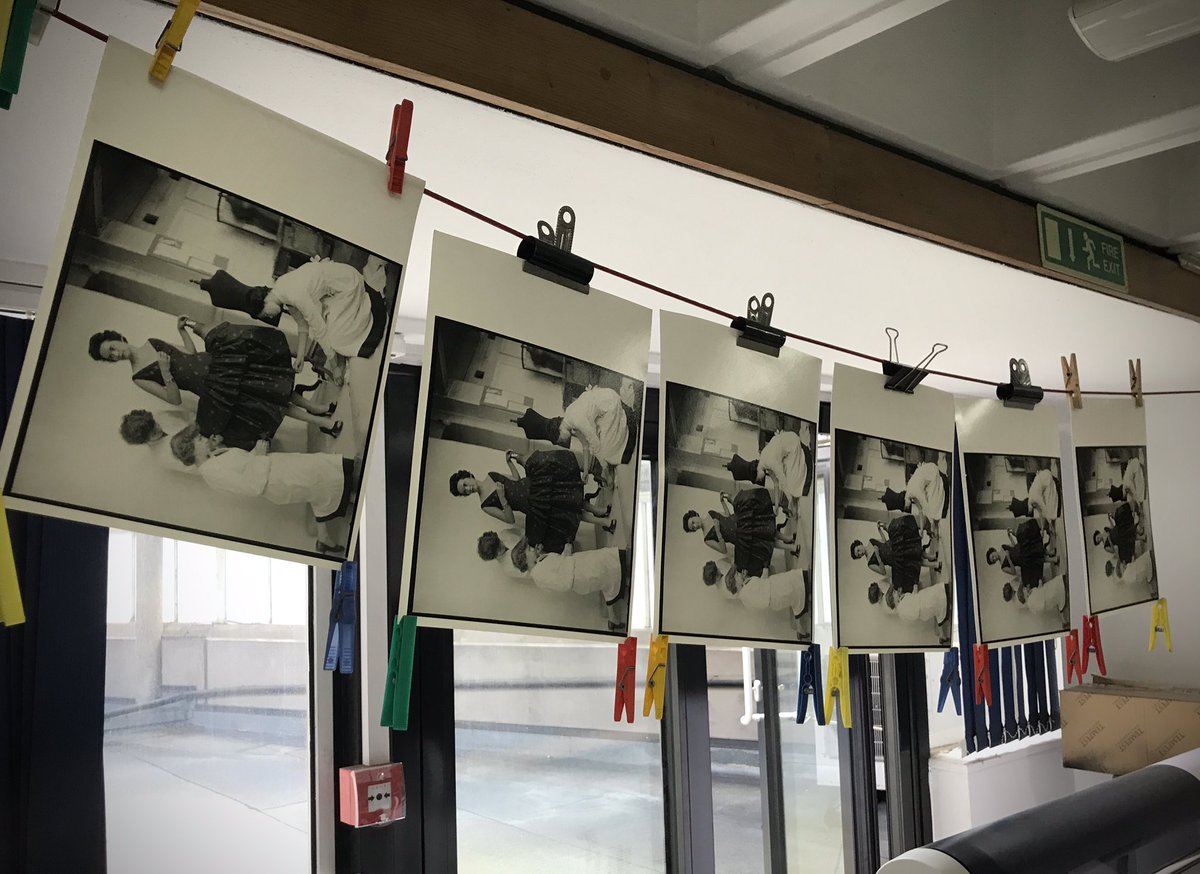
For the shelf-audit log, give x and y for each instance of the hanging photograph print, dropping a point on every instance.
(738, 450)
(891, 514)
(527, 472)
(1114, 497)
(209, 357)
(1012, 483)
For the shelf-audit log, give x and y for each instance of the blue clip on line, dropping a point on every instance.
(810, 685)
(343, 615)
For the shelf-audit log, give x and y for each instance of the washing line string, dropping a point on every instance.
(682, 298)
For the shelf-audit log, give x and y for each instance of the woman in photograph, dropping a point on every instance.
(244, 378)
(1045, 498)
(332, 306)
(1051, 596)
(930, 604)
(154, 431)
(786, 460)
(323, 480)
(716, 574)
(605, 571)
(1025, 555)
(548, 491)
(785, 590)
(498, 547)
(1133, 485)
(746, 530)
(1123, 533)
(927, 495)
(897, 552)
(605, 424)
(1138, 572)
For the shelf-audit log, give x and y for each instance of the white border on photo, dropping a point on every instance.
(1115, 422)
(925, 418)
(702, 354)
(192, 126)
(987, 427)
(487, 289)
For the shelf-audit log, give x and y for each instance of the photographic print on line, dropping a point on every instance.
(891, 513)
(1012, 482)
(738, 487)
(1114, 497)
(209, 365)
(529, 468)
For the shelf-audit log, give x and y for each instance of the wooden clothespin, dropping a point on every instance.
(399, 675)
(983, 675)
(656, 677)
(1091, 644)
(626, 679)
(1074, 659)
(1159, 621)
(810, 685)
(838, 683)
(1071, 381)
(397, 153)
(1135, 380)
(170, 42)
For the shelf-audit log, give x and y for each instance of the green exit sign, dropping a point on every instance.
(1082, 250)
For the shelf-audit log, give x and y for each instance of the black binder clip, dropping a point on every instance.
(548, 255)
(901, 377)
(755, 331)
(1019, 391)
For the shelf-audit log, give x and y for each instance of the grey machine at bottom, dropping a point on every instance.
(1146, 821)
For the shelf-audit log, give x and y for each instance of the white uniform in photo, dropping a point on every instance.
(313, 478)
(923, 605)
(1138, 572)
(784, 458)
(1050, 595)
(782, 591)
(510, 537)
(595, 570)
(598, 415)
(927, 486)
(171, 422)
(1134, 480)
(1043, 494)
(332, 298)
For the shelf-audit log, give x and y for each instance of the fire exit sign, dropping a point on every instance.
(1079, 249)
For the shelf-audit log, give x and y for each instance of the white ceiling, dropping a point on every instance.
(1003, 90)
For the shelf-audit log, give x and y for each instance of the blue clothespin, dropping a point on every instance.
(343, 615)
(951, 681)
(810, 684)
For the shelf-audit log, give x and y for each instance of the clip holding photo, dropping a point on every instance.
(754, 329)
(549, 256)
(1160, 622)
(1070, 371)
(902, 377)
(1019, 392)
(170, 42)
(656, 677)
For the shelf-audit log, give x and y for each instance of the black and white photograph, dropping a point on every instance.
(1015, 513)
(528, 478)
(1117, 536)
(210, 365)
(1114, 498)
(738, 482)
(891, 515)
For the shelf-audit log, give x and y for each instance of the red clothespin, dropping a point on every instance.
(1074, 663)
(983, 675)
(626, 679)
(397, 153)
(1091, 644)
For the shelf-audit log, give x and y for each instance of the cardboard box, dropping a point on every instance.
(1115, 728)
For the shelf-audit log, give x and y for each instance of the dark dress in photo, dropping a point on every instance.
(750, 530)
(902, 552)
(550, 495)
(229, 293)
(1029, 554)
(1123, 534)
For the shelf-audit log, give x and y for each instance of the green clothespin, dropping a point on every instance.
(13, 54)
(399, 676)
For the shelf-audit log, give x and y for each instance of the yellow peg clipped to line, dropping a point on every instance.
(171, 41)
(1159, 621)
(12, 612)
(656, 677)
(838, 683)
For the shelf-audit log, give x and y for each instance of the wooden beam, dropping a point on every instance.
(522, 61)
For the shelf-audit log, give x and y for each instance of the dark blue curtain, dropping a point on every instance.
(52, 682)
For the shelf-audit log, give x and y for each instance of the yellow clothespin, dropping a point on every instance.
(1159, 621)
(656, 677)
(1071, 381)
(11, 610)
(1135, 381)
(839, 683)
(171, 40)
